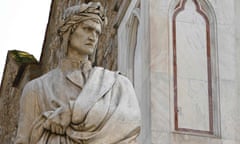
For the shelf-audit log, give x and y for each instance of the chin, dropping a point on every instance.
(90, 52)
(86, 50)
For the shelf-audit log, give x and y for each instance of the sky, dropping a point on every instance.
(22, 27)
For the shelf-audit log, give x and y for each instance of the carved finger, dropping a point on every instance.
(53, 128)
(46, 125)
(64, 130)
(59, 130)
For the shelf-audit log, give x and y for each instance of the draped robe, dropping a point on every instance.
(104, 110)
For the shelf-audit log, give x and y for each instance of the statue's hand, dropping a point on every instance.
(59, 120)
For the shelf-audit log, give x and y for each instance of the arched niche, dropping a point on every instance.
(128, 37)
(132, 38)
(194, 67)
(133, 53)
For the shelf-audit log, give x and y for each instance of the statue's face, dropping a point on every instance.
(85, 37)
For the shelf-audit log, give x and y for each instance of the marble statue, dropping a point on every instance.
(76, 103)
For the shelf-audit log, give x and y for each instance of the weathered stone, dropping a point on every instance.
(17, 65)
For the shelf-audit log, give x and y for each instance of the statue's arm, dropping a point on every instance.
(58, 120)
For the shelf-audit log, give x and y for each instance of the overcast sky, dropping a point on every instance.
(22, 27)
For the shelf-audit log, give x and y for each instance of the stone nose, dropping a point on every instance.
(93, 36)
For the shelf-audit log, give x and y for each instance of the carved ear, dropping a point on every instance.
(73, 28)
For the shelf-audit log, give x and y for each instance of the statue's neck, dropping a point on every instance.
(69, 65)
(76, 56)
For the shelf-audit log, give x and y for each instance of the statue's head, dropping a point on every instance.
(82, 25)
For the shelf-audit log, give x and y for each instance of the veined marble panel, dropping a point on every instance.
(227, 52)
(160, 102)
(224, 11)
(159, 40)
(156, 4)
(160, 137)
(191, 139)
(230, 142)
(213, 2)
(230, 110)
(191, 51)
(192, 69)
(237, 33)
(193, 104)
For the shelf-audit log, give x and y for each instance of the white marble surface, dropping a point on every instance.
(161, 73)
(230, 142)
(192, 72)
(160, 137)
(191, 51)
(161, 92)
(156, 4)
(193, 105)
(230, 110)
(160, 102)
(191, 139)
(227, 52)
(224, 11)
(159, 40)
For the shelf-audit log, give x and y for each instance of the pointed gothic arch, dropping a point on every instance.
(193, 48)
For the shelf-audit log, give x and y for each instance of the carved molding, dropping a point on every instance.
(204, 8)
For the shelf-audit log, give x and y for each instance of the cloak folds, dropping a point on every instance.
(104, 111)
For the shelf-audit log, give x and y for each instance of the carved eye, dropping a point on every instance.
(98, 33)
(86, 28)
(98, 7)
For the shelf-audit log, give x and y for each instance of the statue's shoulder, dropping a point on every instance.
(119, 76)
(53, 73)
(48, 76)
(45, 78)
(107, 71)
(103, 70)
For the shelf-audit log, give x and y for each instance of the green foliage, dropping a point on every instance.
(23, 57)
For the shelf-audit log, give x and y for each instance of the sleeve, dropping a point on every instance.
(28, 113)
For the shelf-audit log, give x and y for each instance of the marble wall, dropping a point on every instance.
(153, 70)
(227, 53)
(228, 68)
(237, 31)
(160, 100)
